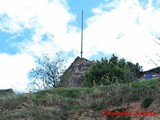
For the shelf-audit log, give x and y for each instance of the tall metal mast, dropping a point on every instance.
(82, 36)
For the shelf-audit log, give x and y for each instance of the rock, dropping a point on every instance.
(74, 75)
(22, 105)
(7, 92)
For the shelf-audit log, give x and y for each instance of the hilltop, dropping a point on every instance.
(83, 103)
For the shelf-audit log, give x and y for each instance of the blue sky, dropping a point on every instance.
(86, 5)
(29, 28)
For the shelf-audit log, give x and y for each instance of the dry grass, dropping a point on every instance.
(60, 103)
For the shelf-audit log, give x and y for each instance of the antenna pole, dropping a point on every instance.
(82, 36)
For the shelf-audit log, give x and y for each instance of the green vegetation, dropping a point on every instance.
(147, 101)
(110, 71)
(64, 103)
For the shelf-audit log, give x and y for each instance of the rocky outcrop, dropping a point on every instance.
(74, 75)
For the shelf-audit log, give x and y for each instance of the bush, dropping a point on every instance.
(146, 102)
(110, 71)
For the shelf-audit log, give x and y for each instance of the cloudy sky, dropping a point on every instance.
(28, 28)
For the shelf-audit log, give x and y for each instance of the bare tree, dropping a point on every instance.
(47, 73)
(155, 62)
(157, 41)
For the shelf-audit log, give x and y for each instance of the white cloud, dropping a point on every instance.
(14, 70)
(136, 24)
(42, 17)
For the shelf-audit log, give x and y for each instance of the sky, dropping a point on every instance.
(28, 28)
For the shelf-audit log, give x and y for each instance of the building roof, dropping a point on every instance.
(153, 70)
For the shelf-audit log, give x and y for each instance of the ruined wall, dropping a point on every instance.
(6, 92)
(74, 75)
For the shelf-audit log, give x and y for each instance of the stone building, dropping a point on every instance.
(7, 92)
(74, 75)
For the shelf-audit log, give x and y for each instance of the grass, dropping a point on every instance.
(59, 103)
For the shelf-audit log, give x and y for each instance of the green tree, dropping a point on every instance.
(110, 71)
(135, 69)
(47, 72)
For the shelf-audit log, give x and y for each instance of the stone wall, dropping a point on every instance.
(6, 92)
(74, 75)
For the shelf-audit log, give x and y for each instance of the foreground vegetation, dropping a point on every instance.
(63, 103)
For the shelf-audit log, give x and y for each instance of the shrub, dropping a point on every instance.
(146, 102)
(110, 71)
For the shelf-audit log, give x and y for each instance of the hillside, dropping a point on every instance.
(81, 103)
